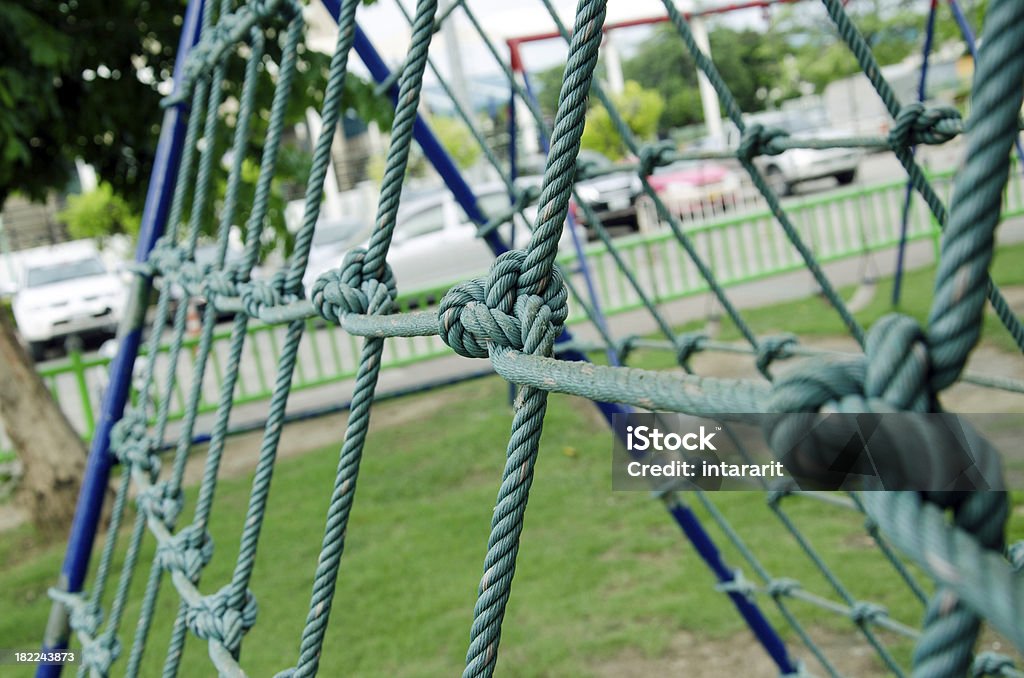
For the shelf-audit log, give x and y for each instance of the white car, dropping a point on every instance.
(436, 244)
(64, 294)
(797, 165)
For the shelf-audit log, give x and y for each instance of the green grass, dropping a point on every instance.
(601, 574)
(815, 317)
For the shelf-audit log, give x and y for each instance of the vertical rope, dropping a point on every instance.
(366, 270)
(535, 276)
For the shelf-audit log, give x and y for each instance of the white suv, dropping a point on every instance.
(64, 294)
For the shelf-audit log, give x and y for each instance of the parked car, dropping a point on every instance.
(694, 187)
(612, 197)
(332, 238)
(66, 293)
(795, 166)
(436, 244)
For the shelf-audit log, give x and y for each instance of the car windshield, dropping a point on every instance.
(333, 233)
(599, 160)
(206, 255)
(38, 276)
(808, 121)
(421, 221)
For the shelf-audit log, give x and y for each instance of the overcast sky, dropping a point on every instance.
(503, 19)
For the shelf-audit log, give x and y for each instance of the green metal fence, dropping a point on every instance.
(742, 248)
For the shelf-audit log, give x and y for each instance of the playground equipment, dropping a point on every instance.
(515, 317)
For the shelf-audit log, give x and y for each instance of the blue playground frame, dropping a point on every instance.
(158, 199)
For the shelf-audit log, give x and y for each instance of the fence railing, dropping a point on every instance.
(740, 248)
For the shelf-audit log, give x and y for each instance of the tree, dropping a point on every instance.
(747, 60)
(893, 29)
(82, 80)
(457, 140)
(99, 213)
(52, 472)
(640, 109)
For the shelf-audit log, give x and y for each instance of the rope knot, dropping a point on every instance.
(917, 124)
(863, 612)
(898, 366)
(687, 344)
(258, 295)
(165, 258)
(738, 584)
(778, 491)
(100, 654)
(349, 289)
(814, 383)
(494, 312)
(655, 155)
(990, 664)
(624, 347)
(221, 283)
(759, 140)
(188, 551)
(213, 618)
(770, 349)
(131, 443)
(586, 169)
(84, 615)
(161, 501)
(782, 587)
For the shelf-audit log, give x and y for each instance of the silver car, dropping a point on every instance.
(798, 165)
(435, 244)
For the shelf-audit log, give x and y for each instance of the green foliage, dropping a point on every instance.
(293, 165)
(893, 28)
(640, 109)
(580, 537)
(457, 140)
(99, 213)
(79, 80)
(763, 68)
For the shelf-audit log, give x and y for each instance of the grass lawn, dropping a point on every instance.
(815, 317)
(600, 574)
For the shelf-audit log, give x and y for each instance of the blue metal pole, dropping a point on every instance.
(685, 518)
(97, 471)
(766, 635)
(921, 86)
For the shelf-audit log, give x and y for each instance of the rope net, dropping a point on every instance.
(514, 317)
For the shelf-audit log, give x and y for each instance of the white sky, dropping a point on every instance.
(388, 29)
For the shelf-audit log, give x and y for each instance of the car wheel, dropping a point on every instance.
(846, 178)
(777, 182)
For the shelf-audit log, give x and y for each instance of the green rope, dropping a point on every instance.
(512, 317)
(367, 286)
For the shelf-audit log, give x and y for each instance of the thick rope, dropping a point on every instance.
(512, 317)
